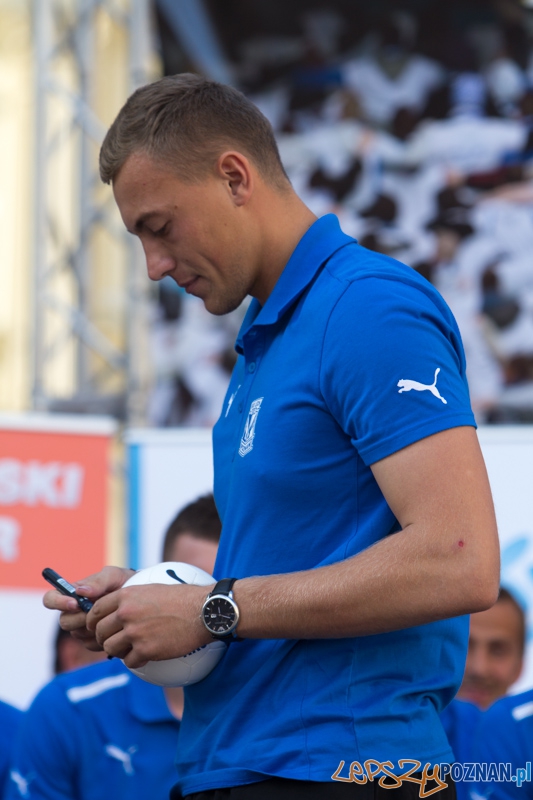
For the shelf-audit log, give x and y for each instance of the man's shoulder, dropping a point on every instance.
(86, 683)
(357, 263)
(371, 287)
(9, 714)
(331, 262)
(506, 728)
(504, 737)
(513, 709)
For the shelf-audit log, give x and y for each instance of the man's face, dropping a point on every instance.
(494, 660)
(191, 550)
(73, 654)
(192, 232)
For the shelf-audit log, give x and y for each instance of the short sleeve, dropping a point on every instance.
(393, 369)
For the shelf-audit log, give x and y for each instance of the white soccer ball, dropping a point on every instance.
(194, 666)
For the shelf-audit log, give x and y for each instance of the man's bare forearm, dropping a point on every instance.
(387, 587)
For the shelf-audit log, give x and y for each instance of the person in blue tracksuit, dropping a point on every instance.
(505, 737)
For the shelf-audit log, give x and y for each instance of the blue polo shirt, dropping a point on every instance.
(97, 732)
(505, 736)
(10, 719)
(352, 357)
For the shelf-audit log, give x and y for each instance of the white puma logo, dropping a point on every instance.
(21, 782)
(122, 756)
(406, 386)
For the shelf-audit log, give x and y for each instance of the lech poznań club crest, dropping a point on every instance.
(247, 441)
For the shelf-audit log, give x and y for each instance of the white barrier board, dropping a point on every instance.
(508, 454)
(166, 470)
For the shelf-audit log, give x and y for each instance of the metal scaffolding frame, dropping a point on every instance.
(105, 373)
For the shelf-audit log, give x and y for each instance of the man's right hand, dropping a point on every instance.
(95, 586)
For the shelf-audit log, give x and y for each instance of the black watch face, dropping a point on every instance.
(219, 615)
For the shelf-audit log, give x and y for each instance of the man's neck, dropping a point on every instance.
(283, 225)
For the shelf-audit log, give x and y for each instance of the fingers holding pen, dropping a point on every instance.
(73, 618)
(95, 586)
(108, 580)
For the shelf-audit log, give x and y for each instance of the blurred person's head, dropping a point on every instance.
(69, 653)
(450, 227)
(193, 535)
(495, 651)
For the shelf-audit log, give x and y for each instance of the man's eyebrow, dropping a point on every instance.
(141, 221)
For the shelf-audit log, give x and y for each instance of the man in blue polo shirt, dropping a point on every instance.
(96, 732)
(358, 527)
(504, 737)
(100, 731)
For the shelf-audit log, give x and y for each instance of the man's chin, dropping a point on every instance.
(218, 306)
(482, 698)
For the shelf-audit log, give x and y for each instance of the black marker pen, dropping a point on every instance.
(66, 588)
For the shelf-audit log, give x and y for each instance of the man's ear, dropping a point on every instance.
(236, 171)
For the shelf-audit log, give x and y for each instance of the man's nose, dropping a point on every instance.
(158, 263)
(478, 661)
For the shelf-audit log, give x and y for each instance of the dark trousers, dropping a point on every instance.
(284, 789)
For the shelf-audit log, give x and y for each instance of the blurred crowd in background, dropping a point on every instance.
(416, 129)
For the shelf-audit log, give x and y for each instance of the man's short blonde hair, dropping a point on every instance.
(185, 122)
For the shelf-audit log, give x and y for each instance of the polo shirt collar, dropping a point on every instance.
(315, 247)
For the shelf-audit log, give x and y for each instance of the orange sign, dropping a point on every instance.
(53, 505)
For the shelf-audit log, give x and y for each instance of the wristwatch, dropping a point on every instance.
(220, 612)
